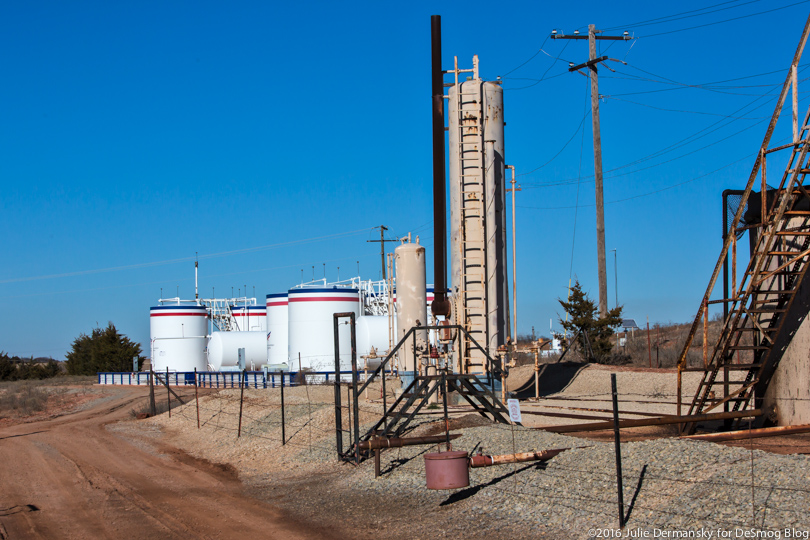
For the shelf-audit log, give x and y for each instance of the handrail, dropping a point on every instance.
(374, 375)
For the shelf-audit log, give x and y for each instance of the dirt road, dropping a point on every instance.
(73, 477)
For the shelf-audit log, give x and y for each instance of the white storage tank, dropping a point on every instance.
(178, 337)
(372, 331)
(311, 326)
(277, 329)
(223, 350)
(250, 318)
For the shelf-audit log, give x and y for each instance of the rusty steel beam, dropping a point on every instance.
(750, 433)
(661, 421)
(520, 457)
(397, 442)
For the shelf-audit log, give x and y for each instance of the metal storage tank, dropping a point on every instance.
(311, 326)
(372, 331)
(178, 335)
(478, 254)
(223, 349)
(411, 306)
(277, 329)
(250, 318)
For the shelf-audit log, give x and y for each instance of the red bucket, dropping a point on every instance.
(447, 470)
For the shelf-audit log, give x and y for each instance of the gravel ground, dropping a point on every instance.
(669, 484)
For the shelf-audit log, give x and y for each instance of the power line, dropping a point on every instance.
(543, 77)
(686, 15)
(579, 127)
(749, 156)
(530, 58)
(685, 111)
(186, 259)
(726, 20)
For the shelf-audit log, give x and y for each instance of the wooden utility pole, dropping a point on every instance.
(597, 151)
(382, 242)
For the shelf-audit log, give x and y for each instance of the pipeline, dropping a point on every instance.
(480, 460)
(397, 442)
(750, 433)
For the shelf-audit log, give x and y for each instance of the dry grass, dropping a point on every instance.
(23, 398)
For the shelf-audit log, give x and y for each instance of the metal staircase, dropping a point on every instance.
(477, 390)
(762, 314)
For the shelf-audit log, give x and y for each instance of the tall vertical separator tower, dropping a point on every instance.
(477, 217)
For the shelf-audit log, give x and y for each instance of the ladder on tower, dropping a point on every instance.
(473, 234)
(763, 302)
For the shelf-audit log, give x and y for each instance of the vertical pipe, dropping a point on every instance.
(440, 305)
(705, 333)
(649, 345)
(514, 261)
(733, 267)
(354, 391)
(197, 398)
(536, 374)
(618, 448)
(241, 401)
(725, 259)
(338, 408)
(680, 394)
(444, 401)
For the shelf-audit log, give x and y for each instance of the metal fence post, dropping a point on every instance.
(283, 434)
(617, 444)
(241, 401)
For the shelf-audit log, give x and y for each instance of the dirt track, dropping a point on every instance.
(72, 477)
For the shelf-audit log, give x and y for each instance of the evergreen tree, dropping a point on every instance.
(583, 317)
(103, 350)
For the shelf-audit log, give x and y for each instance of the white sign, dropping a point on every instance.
(514, 410)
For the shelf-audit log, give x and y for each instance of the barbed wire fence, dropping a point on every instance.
(304, 420)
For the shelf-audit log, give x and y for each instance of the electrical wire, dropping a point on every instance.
(686, 15)
(669, 17)
(543, 77)
(579, 127)
(725, 20)
(749, 156)
(685, 111)
(188, 259)
(532, 57)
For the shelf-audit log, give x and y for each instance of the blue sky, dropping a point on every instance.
(270, 138)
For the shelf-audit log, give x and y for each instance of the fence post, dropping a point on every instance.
(241, 400)
(152, 408)
(197, 398)
(283, 434)
(617, 444)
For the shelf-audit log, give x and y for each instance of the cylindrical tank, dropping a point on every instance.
(223, 349)
(178, 337)
(277, 329)
(478, 247)
(372, 331)
(250, 318)
(311, 326)
(411, 307)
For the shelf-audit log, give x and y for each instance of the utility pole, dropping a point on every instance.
(382, 242)
(597, 149)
